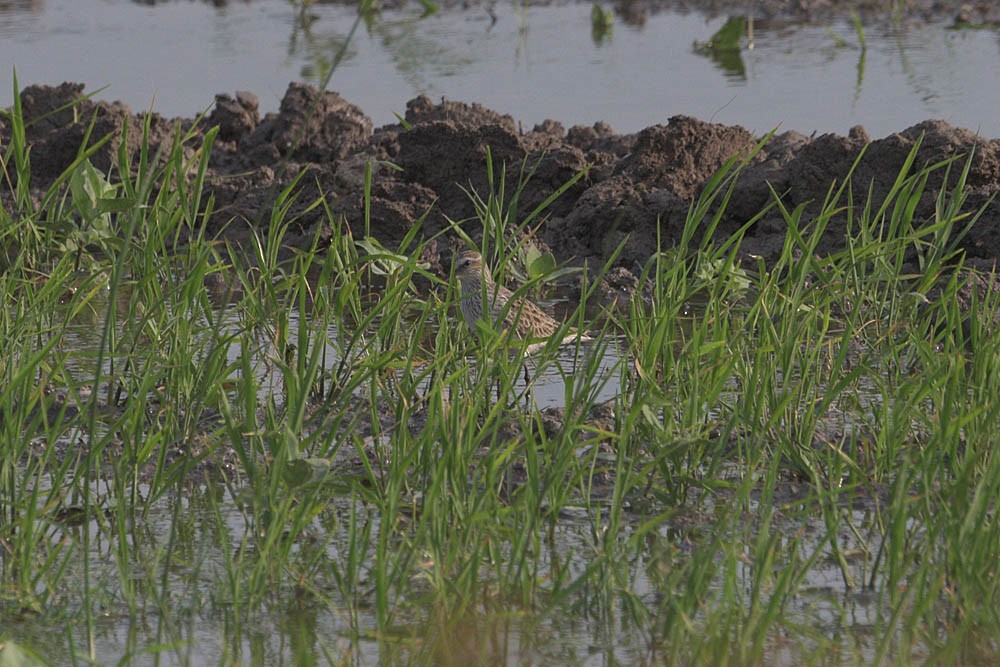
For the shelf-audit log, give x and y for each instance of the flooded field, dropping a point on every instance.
(243, 418)
(435, 512)
(807, 73)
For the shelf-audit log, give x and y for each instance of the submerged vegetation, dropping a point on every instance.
(327, 466)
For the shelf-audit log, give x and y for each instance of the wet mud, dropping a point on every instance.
(959, 12)
(976, 13)
(636, 186)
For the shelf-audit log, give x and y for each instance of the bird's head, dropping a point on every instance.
(469, 266)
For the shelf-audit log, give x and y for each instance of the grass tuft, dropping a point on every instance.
(745, 461)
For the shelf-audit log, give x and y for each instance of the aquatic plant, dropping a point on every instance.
(796, 458)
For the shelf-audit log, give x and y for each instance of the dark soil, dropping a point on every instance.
(960, 12)
(635, 183)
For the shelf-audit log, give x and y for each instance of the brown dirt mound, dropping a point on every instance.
(635, 185)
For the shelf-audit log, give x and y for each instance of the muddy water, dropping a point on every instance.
(195, 626)
(204, 527)
(532, 62)
(548, 382)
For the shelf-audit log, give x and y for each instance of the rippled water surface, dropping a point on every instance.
(532, 62)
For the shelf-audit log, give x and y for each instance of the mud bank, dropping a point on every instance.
(634, 183)
(961, 12)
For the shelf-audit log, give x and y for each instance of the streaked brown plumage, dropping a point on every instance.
(527, 320)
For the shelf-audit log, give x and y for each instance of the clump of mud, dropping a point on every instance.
(636, 188)
(981, 13)
(634, 184)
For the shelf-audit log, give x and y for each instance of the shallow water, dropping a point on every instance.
(192, 624)
(185, 616)
(547, 384)
(532, 62)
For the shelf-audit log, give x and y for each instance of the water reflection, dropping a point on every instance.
(637, 74)
(16, 6)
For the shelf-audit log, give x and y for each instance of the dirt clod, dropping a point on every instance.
(635, 191)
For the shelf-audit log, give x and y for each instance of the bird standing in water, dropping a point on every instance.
(508, 312)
